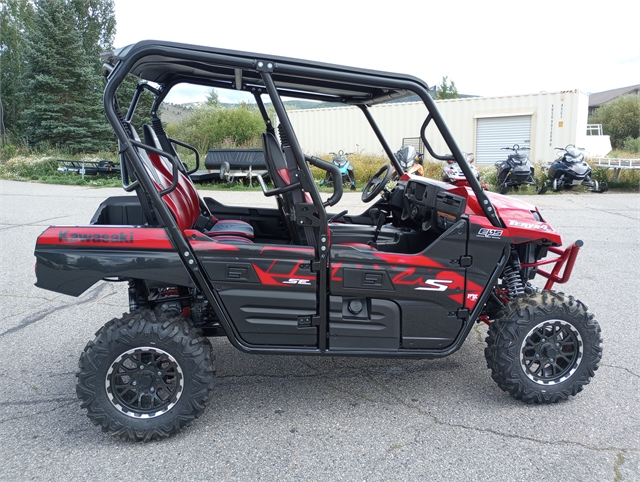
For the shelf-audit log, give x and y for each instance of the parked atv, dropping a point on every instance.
(517, 170)
(346, 171)
(407, 278)
(570, 169)
(453, 173)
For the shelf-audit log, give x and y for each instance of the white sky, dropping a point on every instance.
(487, 48)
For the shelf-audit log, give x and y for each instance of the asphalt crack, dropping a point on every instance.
(491, 431)
(616, 467)
(42, 314)
(630, 372)
(36, 402)
(615, 213)
(35, 223)
(44, 412)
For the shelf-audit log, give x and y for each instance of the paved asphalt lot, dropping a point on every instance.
(290, 418)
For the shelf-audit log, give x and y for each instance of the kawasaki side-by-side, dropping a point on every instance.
(407, 278)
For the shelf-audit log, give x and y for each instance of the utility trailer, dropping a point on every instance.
(89, 168)
(230, 164)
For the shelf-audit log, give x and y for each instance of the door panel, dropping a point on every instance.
(429, 287)
(269, 291)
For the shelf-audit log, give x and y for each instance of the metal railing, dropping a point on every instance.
(617, 164)
(594, 129)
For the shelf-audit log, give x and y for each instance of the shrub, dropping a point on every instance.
(8, 151)
(620, 119)
(214, 127)
(28, 168)
(44, 168)
(632, 145)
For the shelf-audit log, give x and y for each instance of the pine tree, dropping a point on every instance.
(97, 22)
(446, 90)
(64, 90)
(15, 20)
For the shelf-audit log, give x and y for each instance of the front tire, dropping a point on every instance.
(543, 347)
(145, 376)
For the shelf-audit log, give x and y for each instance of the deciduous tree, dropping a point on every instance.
(620, 119)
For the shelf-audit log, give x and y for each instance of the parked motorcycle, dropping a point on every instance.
(517, 170)
(452, 173)
(410, 161)
(346, 169)
(570, 169)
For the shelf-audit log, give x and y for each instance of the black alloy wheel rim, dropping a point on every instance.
(551, 352)
(144, 382)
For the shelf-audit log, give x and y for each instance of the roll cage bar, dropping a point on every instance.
(169, 63)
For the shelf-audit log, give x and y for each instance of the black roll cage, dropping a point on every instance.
(168, 64)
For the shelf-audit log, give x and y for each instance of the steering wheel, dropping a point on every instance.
(376, 184)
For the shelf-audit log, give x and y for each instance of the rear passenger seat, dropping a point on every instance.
(184, 201)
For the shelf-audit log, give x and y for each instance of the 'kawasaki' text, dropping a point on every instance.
(121, 238)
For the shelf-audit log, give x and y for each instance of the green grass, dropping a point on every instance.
(42, 167)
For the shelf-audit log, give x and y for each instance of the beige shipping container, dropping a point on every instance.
(479, 124)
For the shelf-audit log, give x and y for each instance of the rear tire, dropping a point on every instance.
(145, 376)
(543, 347)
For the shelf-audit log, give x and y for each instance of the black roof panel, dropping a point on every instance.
(168, 62)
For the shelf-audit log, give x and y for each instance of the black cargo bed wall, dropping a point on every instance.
(120, 211)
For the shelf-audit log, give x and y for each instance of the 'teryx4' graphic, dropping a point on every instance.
(520, 224)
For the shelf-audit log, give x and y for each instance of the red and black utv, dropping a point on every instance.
(409, 277)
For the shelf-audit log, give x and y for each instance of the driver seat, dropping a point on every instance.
(283, 171)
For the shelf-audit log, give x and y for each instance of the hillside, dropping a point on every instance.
(171, 113)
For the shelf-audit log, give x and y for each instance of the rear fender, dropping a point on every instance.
(71, 259)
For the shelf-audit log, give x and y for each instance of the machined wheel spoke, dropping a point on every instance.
(124, 389)
(145, 380)
(167, 386)
(555, 344)
(539, 369)
(568, 359)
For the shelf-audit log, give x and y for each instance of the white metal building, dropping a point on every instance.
(481, 125)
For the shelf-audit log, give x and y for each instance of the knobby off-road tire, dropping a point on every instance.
(543, 347)
(145, 376)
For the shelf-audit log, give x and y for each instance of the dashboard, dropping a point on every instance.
(428, 204)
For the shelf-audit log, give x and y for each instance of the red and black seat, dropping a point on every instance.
(184, 202)
(284, 171)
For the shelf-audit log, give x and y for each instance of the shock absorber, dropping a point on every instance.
(511, 277)
(133, 297)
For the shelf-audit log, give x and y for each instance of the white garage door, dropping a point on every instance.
(493, 133)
